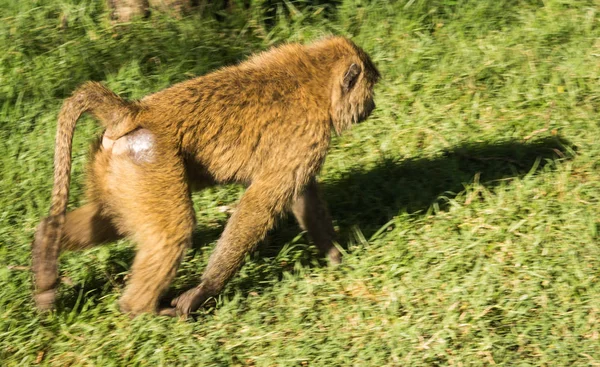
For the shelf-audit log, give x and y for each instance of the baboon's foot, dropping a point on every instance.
(135, 306)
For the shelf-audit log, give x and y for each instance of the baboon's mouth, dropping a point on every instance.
(368, 109)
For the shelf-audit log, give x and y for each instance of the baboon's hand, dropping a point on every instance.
(187, 303)
(169, 311)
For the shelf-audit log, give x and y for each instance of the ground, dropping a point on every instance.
(468, 206)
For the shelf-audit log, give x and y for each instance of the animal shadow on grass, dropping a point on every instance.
(369, 199)
(364, 199)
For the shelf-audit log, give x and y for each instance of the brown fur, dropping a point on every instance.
(265, 123)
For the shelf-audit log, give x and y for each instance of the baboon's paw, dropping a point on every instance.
(172, 312)
(134, 307)
(189, 301)
(335, 257)
(44, 301)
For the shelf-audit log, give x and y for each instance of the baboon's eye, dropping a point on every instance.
(350, 77)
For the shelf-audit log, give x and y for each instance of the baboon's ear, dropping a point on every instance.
(350, 77)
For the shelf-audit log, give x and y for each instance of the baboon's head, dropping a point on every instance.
(352, 94)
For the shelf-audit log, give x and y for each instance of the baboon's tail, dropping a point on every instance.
(109, 109)
(101, 102)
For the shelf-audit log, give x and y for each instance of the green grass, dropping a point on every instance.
(468, 205)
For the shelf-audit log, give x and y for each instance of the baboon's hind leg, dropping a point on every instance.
(86, 227)
(149, 194)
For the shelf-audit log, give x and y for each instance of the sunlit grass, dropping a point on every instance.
(468, 204)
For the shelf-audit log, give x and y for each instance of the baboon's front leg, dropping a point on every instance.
(311, 212)
(260, 206)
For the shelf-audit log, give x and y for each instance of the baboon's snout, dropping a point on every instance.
(367, 110)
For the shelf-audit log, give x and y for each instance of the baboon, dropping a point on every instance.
(265, 123)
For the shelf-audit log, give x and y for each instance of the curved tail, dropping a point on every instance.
(110, 109)
(92, 97)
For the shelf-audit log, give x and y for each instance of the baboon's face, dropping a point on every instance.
(352, 98)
